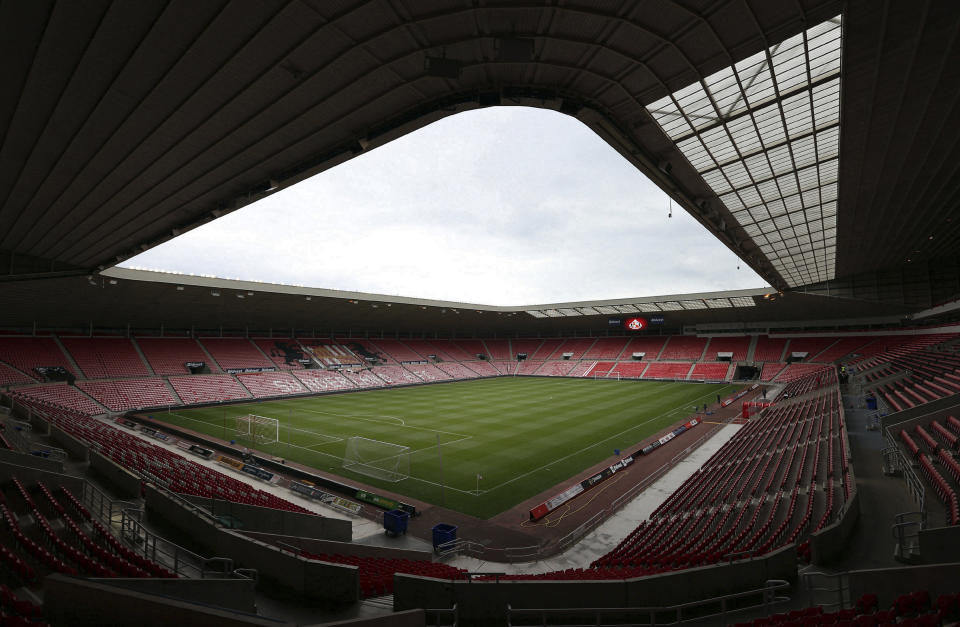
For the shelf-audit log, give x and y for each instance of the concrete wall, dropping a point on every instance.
(254, 518)
(31, 461)
(484, 603)
(889, 583)
(231, 594)
(410, 618)
(828, 544)
(939, 545)
(331, 583)
(73, 446)
(76, 601)
(126, 484)
(30, 475)
(342, 548)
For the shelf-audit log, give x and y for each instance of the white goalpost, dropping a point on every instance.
(382, 460)
(260, 429)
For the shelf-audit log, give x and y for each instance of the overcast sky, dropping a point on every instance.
(501, 206)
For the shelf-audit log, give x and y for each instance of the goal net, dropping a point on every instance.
(259, 429)
(373, 458)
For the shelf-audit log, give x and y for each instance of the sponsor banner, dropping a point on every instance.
(230, 462)
(384, 502)
(195, 364)
(250, 370)
(304, 488)
(304, 362)
(656, 319)
(731, 399)
(573, 491)
(257, 472)
(199, 450)
(614, 322)
(646, 450)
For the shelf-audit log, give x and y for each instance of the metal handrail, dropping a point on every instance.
(438, 613)
(681, 613)
(840, 591)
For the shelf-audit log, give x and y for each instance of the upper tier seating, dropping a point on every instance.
(169, 355)
(271, 384)
(842, 347)
(577, 346)
(323, 380)
(448, 350)
(607, 348)
(547, 347)
(738, 345)
(284, 353)
(797, 370)
(62, 397)
(813, 346)
(10, 376)
(208, 388)
(769, 348)
(684, 347)
(667, 370)
(525, 346)
(651, 346)
(106, 357)
(712, 371)
(424, 349)
(126, 394)
(470, 349)
(397, 350)
(235, 353)
(330, 354)
(499, 350)
(27, 353)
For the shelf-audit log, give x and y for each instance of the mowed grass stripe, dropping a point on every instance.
(523, 435)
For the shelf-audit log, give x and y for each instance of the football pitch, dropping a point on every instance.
(478, 447)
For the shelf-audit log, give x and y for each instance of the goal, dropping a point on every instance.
(373, 458)
(260, 429)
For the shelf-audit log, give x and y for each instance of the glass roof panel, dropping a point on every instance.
(764, 134)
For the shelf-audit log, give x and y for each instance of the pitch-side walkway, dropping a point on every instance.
(602, 539)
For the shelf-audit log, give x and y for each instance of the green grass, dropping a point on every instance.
(523, 435)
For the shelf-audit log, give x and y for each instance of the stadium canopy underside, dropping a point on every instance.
(817, 139)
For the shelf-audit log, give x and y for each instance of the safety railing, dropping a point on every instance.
(442, 617)
(906, 532)
(828, 590)
(716, 610)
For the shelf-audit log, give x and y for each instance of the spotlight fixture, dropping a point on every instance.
(249, 293)
(309, 298)
(179, 288)
(113, 281)
(214, 293)
(240, 296)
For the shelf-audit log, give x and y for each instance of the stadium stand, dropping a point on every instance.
(395, 375)
(397, 350)
(796, 370)
(581, 368)
(529, 367)
(712, 371)
(606, 348)
(284, 353)
(265, 384)
(482, 368)
(126, 394)
(505, 367)
(235, 353)
(651, 346)
(547, 347)
(600, 368)
(630, 369)
(323, 380)
(27, 353)
(327, 354)
(771, 370)
(499, 350)
(556, 368)
(683, 347)
(667, 370)
(529, 347)
(363, 378)
(456, 370)
(449, 350)
(576, 346)
(376, 573)
(769, 348)
(738, 345)
(106, 357)
(471, 348)
(60, 396)
(11, 376)
(813, 346)
(841, 348)
(208, 388)
(428, 372)
(168, 356)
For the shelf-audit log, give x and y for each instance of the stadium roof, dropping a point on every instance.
(125, 124)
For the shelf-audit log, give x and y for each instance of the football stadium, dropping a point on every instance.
(179, 448)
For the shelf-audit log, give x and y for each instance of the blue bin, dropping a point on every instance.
(443, 533)
(871, 403)
(395, 522)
